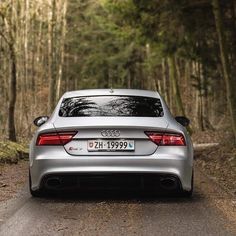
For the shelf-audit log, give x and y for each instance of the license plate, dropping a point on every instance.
(110, 145)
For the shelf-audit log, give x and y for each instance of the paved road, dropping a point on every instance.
(123, 215)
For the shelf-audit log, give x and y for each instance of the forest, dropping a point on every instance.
(184, 49)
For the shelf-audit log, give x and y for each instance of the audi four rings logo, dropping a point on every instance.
(110, 133)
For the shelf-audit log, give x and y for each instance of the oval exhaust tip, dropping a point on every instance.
(168, 183)
(53, 182)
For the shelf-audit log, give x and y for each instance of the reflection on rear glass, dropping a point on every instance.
(111, 106)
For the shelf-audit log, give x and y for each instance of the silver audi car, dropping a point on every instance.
(112, 138)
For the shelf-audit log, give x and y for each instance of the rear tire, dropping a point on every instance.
(34, 193)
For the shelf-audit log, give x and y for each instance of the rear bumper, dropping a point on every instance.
(112, 181)
(177, 162)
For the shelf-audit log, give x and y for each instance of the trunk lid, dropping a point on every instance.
(111, 129)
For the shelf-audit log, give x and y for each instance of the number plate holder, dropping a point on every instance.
(110, 145)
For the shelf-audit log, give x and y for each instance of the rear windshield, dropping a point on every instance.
(111, 106)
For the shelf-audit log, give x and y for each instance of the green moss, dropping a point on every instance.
(11, 152)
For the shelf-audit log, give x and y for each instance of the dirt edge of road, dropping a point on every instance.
(217, 159)
(217, 196)
(12, 178)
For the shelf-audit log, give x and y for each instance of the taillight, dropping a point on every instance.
(166, 139)
(60, 138)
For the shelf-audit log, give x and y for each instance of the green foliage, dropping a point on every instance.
(109, 50)
(11, 152)
(109, 39)
(114, 43)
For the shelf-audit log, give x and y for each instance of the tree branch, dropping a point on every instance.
(5, 38)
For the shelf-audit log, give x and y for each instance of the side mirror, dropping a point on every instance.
(41, 120)
(182, 120)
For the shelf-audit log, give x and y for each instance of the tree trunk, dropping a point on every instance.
(129, 78)
(12, 96)
(230, 83)
(174, 84)
(62, 51)
(200, 94)
(164, 79)
(51, 57)
(9, 39)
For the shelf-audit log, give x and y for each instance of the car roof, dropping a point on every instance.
(109, 92)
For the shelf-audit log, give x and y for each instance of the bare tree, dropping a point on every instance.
(229, 81)
(8, 36)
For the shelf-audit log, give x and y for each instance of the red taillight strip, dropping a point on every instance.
(51, 139)
(167, 139)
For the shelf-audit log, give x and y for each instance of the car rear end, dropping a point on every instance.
(108, 139)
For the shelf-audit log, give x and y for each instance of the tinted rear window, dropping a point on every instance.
(111, 106)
